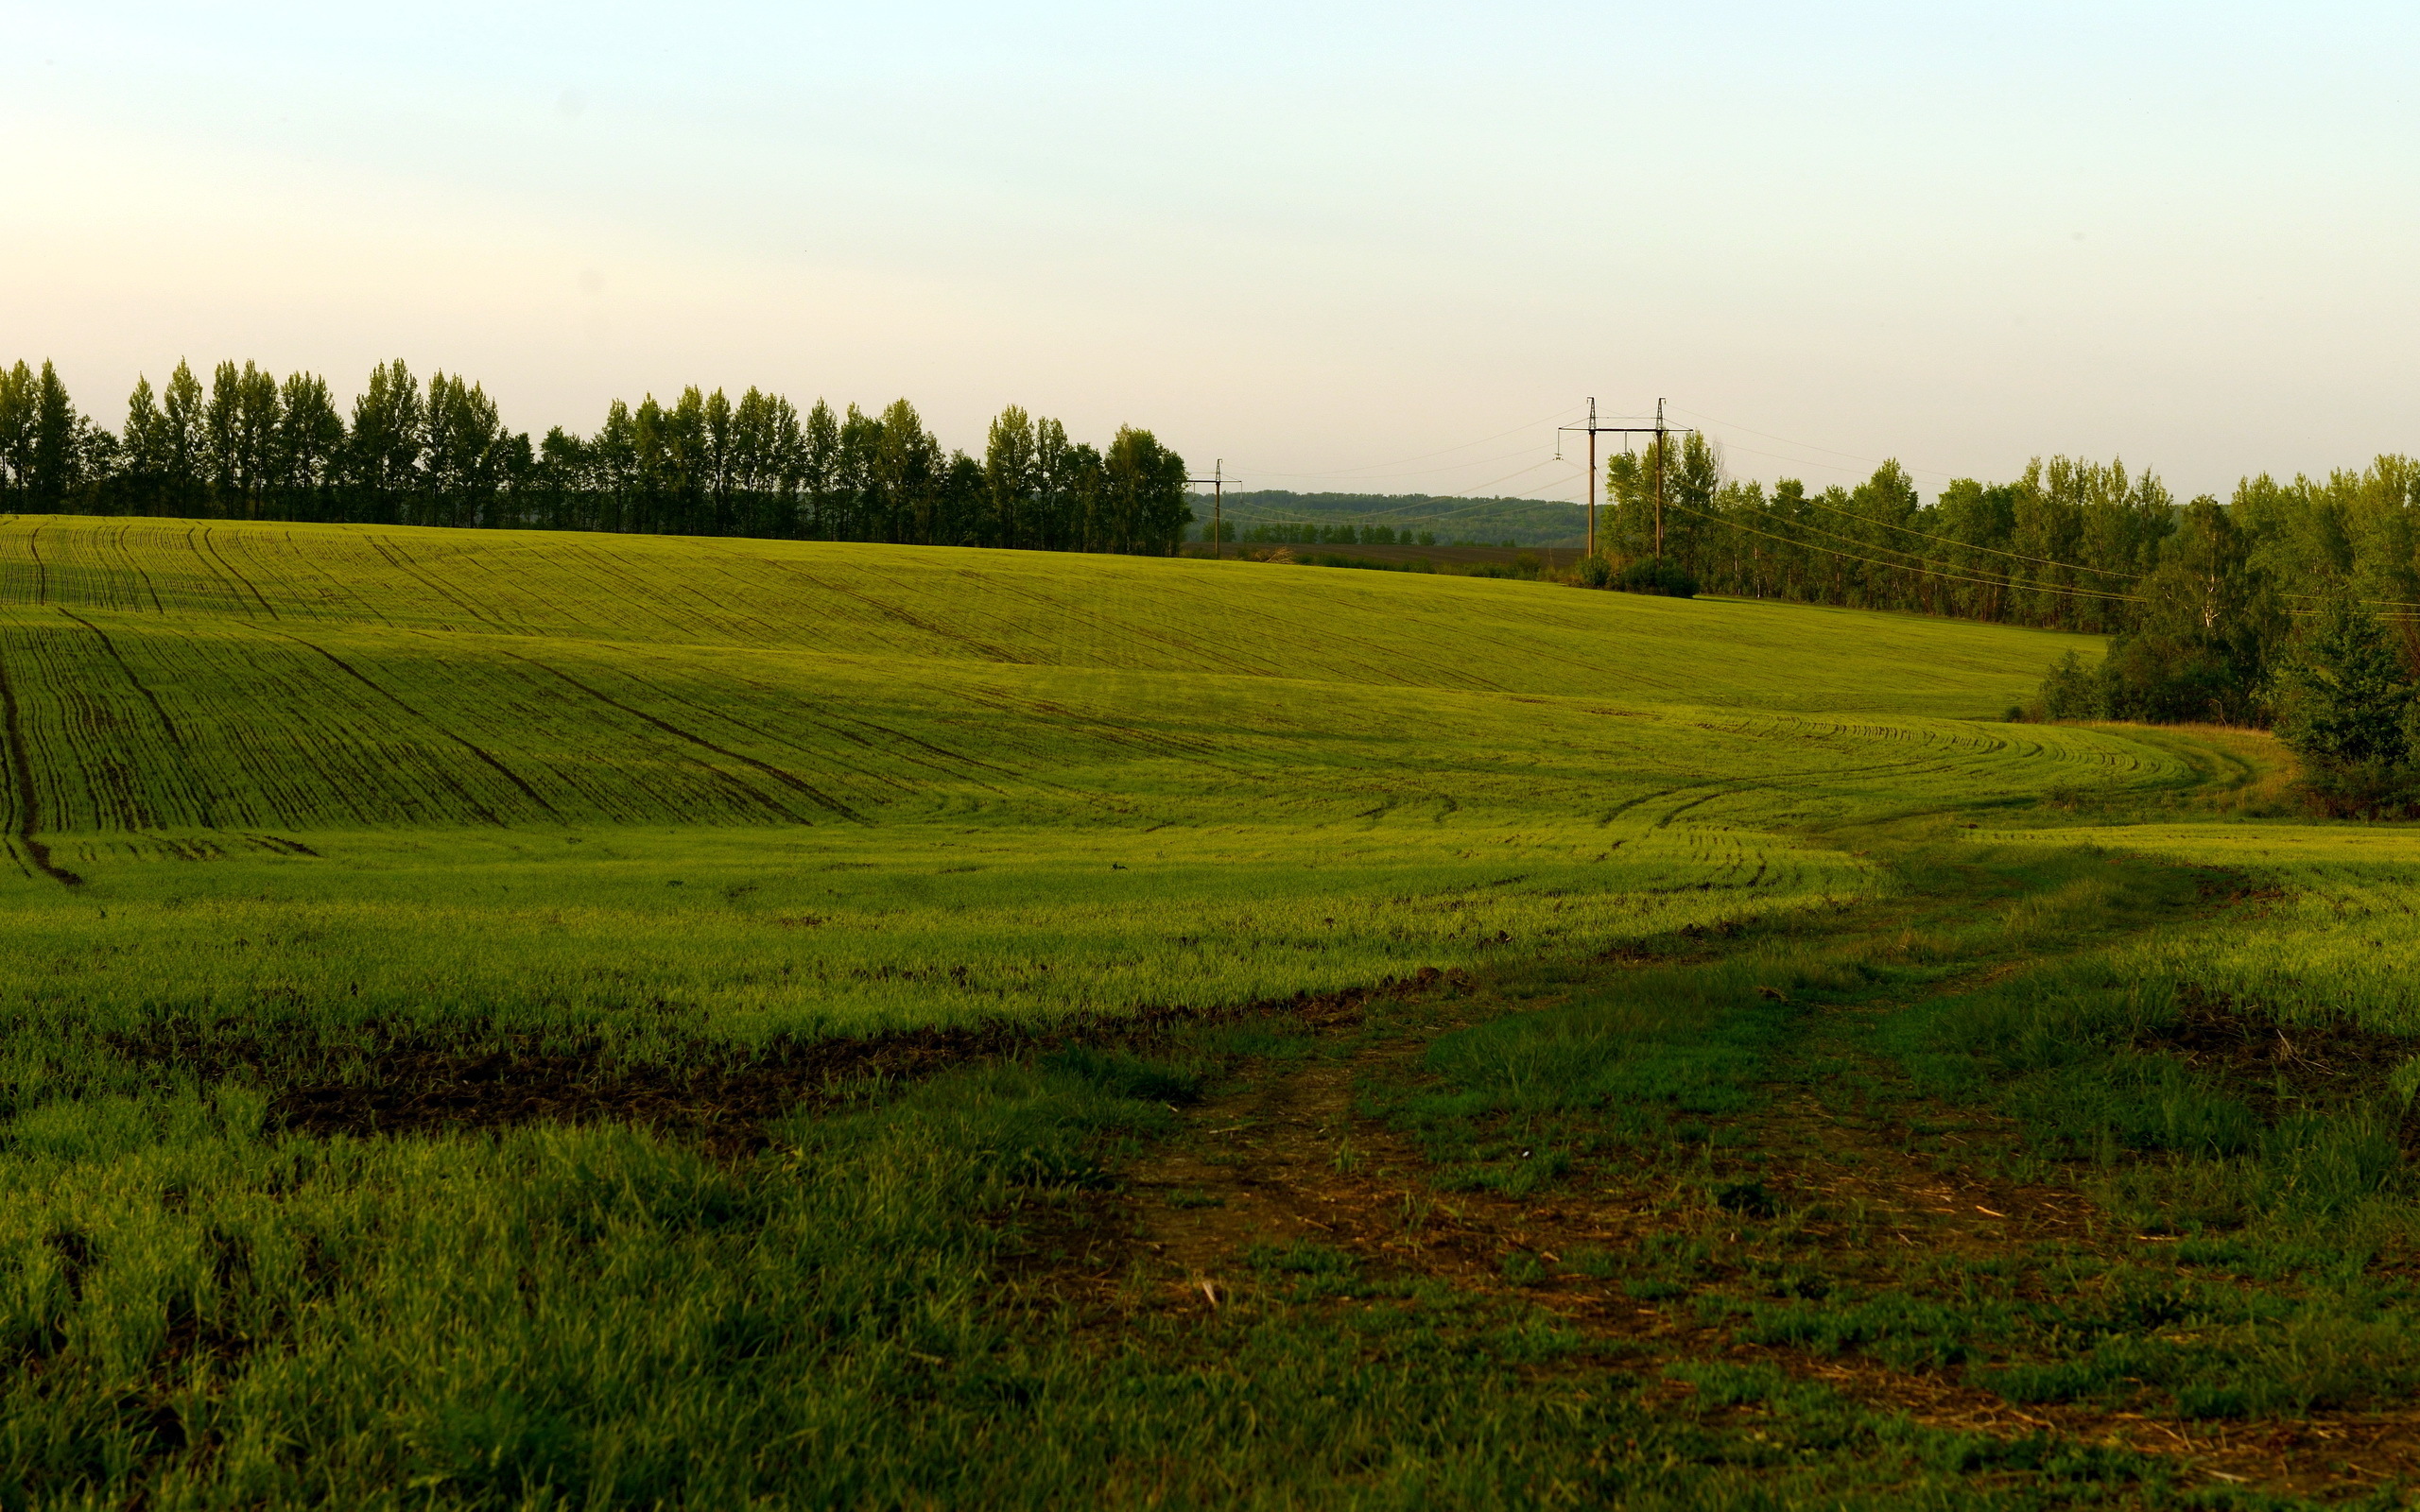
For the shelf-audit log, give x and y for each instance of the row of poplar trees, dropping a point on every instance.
(2199, 598)
(253, 445)
(2069, 544)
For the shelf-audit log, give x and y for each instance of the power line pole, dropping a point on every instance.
(1659, 480)
(1218, 481)
(1594, 429)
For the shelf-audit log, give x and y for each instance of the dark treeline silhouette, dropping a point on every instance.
(253, 446)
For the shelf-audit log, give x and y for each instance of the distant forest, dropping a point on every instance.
(2200, 599)
(1277, 517)
(2070, 545)
(253, 446)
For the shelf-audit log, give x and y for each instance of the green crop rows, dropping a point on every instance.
(537, 780)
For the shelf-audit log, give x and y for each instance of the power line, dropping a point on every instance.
(1415, 509)
(1953, 540)
(1907, 567)
(1928, 535)
(1218, 481)
(1595, 430)
(1409, 473)
(1360, 518)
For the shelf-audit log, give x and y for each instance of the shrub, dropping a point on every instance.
(1596, 572)
(1652, 574)
(2069, 692)
(2361, 790)
(2348, 698)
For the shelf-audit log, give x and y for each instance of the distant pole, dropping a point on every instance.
(1659, 480)
(1592, 477)
(1218, 481)
(1596, 428)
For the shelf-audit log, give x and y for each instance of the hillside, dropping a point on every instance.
(1449, 518)
(1044, 768)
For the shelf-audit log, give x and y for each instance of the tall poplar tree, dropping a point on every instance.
(384, 447)
(1010, 469)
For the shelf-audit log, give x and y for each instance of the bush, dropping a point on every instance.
(2069, 692)
(2158, 680)
(2348, 700)
(1596, 572)
(1652, 574)
(2349, 711)
(2361, 790)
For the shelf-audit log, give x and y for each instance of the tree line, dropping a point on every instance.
(1305, 533)
(2201, 599)
(254, 446)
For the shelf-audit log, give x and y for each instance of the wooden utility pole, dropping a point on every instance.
(1658, 430)
(1218, 481)
(1659, 480)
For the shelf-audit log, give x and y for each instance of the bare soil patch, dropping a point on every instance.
(2271, 1066)
(412, 1082)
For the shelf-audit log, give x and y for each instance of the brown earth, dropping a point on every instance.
(1286, 1159)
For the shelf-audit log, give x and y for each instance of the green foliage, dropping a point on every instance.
(2071, 691)
(2347, 695)
(328, 786)
(1278, 517)
(253, 448)
(1652, 574)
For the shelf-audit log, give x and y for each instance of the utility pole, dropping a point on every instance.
(1658, 430)
(1659, 480)
(1218, 481)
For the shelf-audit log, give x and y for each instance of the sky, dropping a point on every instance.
(1350, 248)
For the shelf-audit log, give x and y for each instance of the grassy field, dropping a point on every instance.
(531, 1021)
(690, 789)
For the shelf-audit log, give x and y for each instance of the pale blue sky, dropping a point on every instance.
(1311, 239)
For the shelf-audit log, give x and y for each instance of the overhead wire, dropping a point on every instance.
(1410, 472)
(1905, 567)
(1928, 535)
(1953, 540)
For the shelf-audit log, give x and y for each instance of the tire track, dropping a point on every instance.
(500, 770)
(794, 783)
(176, 737)
(21, 772)
(410, 569)
(212, 547)
(195, 547)
(128, 553)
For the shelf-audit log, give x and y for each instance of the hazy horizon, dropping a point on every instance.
(1338, 250)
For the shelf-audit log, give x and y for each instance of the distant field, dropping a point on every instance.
(651, 787)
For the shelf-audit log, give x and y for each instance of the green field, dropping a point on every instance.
(640, 786)
(531, 1020)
